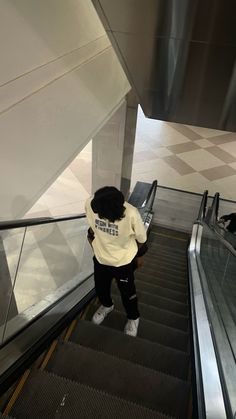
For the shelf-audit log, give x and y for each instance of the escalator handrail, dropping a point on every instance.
(214, 208)
(208, 381)
(151, 195)
(7, 225)
(202, 209)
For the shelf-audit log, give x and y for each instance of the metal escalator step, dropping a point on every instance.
(141, 351)
(160, 291)
(164, 283)
(160, 302)
(160, 269)
(163, 251)
(178, 245)
(157, 315)
(163, 291)
(157, 290)
(155, 332)
(164, 267)
(154, 244)
(162, 275)
(121, 378)
(165, 261)
(47, 396)
(152, 256)
(171, 232)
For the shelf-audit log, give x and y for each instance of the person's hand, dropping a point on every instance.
(140, 261)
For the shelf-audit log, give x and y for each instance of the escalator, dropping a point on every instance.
(94, 371)
(98, 370)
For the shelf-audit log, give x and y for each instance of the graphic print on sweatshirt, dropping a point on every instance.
(107, 227)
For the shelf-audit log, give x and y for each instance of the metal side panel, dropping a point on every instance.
(209, 390)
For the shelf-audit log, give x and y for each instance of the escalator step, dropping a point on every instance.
(140, 278)
(175, 249)
(140, 351)
(171, 232)
(155, 332)
(166, 254)
(163, 276)
(157, 315)
(178, 246)
(164, 265)
(162, 270)
(121, 378)
(46, 396)
(160, 302)
(162, 291)
(153, 261)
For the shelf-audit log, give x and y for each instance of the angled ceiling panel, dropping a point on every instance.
(179, 56)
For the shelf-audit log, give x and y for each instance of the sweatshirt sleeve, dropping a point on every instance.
(139, 229)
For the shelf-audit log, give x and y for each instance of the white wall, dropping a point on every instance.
(107, 151)
(60, 81)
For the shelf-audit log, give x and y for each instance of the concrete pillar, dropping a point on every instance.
(129, 142)
(113, 146)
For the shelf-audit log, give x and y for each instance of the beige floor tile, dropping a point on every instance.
(146, 155)
(203, 143)
(178, 165)
(218, 172)
(206, 132)
(223, 139)
(162, 152)
(182, 148)
(233, 165)
(159, 170)
(229, 148)
(221, 154)
(200, 159)
(193, 182)
(186, 131)
(143, 167)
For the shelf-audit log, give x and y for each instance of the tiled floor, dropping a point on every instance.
(185, 157)
(178, 156)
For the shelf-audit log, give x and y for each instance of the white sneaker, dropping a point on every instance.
(101, 313)
(131, 327)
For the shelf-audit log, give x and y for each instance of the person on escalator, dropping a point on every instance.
(231, 227)
(118, 238)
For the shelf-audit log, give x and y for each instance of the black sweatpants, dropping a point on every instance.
(124, 276)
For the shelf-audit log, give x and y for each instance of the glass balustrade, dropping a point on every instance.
(43, 263)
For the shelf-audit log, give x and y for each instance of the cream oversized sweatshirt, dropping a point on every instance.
(115, 244)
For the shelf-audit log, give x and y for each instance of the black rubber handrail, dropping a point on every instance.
(7, 225)
(151, 194)
(202, 209)
(215, 208)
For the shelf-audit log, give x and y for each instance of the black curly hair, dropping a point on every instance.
(108, 203)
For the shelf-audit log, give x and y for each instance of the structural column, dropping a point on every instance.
(113, 146)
